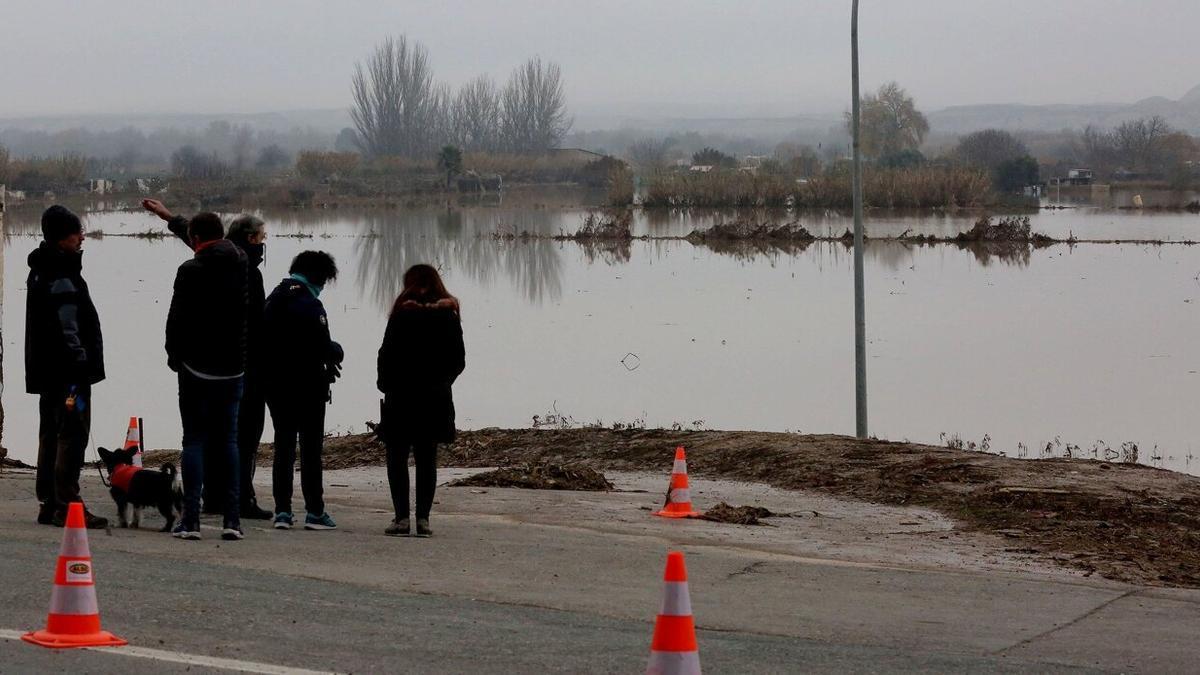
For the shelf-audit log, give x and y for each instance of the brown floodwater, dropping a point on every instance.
(1088, 345)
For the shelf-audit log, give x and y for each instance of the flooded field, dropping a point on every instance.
(1081, 347)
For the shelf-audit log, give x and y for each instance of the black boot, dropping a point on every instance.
(46, 514)
(253, 511)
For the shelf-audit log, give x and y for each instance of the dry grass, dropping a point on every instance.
(924, 187)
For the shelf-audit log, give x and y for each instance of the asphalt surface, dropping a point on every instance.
(515, 581)
(216, 610)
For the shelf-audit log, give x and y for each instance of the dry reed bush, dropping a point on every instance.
(923, 187)
(620, 185)
(716, 189)
(399, 166)
(524, 168)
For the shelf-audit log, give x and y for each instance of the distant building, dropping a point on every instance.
(100, 186)
(700, 168)
(1080, 176)
(577, 154)
(754, 160)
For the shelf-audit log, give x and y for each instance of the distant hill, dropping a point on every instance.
(1182, 114)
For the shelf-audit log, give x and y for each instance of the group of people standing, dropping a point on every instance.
(237, 353)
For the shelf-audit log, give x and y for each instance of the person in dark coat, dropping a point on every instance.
(421, 356)
(300, 362)
(206, 346)
(64, 357)
(249, 233)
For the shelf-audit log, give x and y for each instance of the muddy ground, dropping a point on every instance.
(1125, 522)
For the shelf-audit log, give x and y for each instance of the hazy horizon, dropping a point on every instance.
(622, 58)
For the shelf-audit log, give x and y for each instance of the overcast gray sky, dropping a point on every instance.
(636, 57)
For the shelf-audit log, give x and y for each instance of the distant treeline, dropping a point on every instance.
(136, 150)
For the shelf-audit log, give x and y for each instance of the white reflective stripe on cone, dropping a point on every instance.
(681, 496)
(674, 663)
(75, 543)
(74, 600)
(680, 466)
(676, 600)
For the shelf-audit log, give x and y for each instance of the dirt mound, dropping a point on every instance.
(539, 477)
(1125, 522)
(738, 515)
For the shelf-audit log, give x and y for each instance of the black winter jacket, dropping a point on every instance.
(63, 344)
(255, 299)
(299, 357)
(421, 357)
(206, 325)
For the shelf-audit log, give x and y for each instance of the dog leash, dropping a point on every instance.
(95, 452)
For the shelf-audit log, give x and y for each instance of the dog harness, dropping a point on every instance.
(122, 476)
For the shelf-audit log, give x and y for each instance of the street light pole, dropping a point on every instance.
(860, 314)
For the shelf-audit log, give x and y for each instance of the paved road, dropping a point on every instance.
(509, 586)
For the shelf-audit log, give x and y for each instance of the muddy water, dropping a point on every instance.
(1084, 344)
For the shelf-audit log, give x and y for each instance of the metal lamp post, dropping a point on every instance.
(860, 320)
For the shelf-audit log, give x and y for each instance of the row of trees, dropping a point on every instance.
(190, 162)
(1145, 147)
(38, 174)
(399, 110)
(130, 150)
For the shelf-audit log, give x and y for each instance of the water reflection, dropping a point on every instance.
(456, 242)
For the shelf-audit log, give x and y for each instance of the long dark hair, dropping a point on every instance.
(423, 285)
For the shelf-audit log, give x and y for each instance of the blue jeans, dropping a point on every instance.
(209, 412)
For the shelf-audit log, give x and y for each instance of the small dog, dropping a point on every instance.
(138, 487)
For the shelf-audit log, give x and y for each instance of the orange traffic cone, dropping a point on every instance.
(673, 650)
(133, 439)
(679, 497)
(74, 619)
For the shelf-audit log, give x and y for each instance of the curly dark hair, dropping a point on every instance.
(316, 266)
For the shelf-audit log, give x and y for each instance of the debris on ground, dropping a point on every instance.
(1013, 229)
(748, 238)
(539, 477)
(6, 463)
(740, 230)
(612, 224)
(737, 515)
(1126, 522)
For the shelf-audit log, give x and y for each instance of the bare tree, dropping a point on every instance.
(648, 153)
(242, 137)
(1137, 142)
(440, 130)
(395, 100)
(475, 116)
(534, 117)
(890, 122)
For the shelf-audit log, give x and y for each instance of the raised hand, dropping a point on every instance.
(157, 208)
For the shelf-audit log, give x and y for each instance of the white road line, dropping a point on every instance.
(186, 659)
